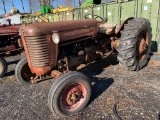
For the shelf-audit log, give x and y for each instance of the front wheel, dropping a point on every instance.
(22, 72)
(69, 94)
(3, 67)
(134, 44)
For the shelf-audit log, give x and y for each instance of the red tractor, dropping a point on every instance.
(10, 41)
(54, 50)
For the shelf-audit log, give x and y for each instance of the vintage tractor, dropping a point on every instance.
(9, 41)
(55, 49)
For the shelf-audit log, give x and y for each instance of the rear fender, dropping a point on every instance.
(118, 34)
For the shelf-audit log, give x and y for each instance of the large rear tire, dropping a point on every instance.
(69, 94)
(3, 67)
(134, 44)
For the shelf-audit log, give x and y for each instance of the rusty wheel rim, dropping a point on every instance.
(73, 97)
(142, 46)
(26, 73)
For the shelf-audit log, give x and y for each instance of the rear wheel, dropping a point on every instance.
(134, 47)
(69, 94)
(22, 72)
(3, 67)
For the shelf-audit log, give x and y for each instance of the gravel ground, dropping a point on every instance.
(134, 95)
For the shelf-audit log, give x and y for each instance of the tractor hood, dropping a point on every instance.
(9, 30)
(38, 29)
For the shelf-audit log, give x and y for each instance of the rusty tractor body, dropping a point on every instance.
(54, 49)
(10, 41)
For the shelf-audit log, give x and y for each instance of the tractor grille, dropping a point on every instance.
(38, 51)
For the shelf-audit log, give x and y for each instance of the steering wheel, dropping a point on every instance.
(93, 16)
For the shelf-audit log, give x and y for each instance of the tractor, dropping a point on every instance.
(54, 50)
(10, 41)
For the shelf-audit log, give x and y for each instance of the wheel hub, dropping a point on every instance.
(73, 96)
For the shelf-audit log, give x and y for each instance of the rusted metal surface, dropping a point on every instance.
(56, 73)
(9, 39)
(9, 30)
(74, 41)
(79, 43)
(37, 71)
(142, 46)
(38, 51)
(40, 79)
(8, 48)
(42, 53)
(73, 97)
(75, 62)
(52, 51)
(114, 42)
(37, 29)
(91, 54)
(63, 65)
(41, 71)
(118, 34)
(10, 51)
(72, 34)
(20, 44)
(40, 58)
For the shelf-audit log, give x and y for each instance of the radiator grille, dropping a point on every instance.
(38, 51)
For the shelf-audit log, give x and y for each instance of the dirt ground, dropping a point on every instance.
(131, 95)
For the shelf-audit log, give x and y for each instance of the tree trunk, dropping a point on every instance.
(22, 6)
(30, 6)
(4, 8)
(12, 3)
(46, 2)
(40, 2)
(79, 3)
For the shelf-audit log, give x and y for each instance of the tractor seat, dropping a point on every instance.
(107, 28)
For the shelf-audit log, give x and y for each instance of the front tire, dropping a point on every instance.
(69, 94)
(134, 47)
(22, 72)
(3, 67)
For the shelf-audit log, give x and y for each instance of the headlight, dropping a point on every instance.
(56, 38)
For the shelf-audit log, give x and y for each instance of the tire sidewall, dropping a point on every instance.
(18, 70)
(127, 50)
(4, 67)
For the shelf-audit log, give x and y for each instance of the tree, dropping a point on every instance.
(68, 2)
(46, 2)
(34, 5)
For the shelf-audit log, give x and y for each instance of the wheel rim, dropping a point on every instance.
(73, 97)
(26, 73)
(142, 46)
